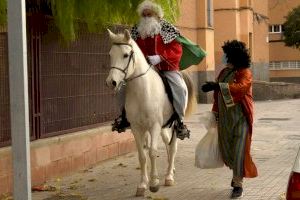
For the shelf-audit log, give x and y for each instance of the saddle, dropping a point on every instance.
(167, 86)
(180, 130)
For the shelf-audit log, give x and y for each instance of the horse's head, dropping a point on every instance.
(121, 59)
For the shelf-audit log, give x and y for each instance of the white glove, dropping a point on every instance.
(154, 60)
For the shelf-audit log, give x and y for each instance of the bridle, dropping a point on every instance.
(125, 70)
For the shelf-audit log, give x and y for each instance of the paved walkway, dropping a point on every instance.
(276, 140)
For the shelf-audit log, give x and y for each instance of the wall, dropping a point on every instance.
(227, 26)
(260, 52)
(234, 19)
(280, 52)
(62, 155)
(193, 23)
(278, 9)
(289, 76)
(263, 90)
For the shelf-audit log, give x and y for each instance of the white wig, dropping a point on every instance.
(151, 5)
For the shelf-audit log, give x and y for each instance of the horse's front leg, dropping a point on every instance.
(171, 149)
(154, 179)
(140, 141)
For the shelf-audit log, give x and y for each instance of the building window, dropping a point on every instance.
(277, 28)
(209, 13)
(284, 65)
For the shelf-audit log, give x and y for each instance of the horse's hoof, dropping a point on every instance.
(169, 182)
(154, 188)
(140, 192)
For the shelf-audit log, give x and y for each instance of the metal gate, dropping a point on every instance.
(71, 94)
(4, 91)
(67, 89)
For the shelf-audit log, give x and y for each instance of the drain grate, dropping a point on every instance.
(293, 137)
(274, 119)
(261, 160)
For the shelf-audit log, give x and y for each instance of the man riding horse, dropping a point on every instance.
(156, 38)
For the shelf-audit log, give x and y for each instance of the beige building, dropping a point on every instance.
(210, 23)
(196, 23)
(244, 20)
(258, 23)
(284, 61)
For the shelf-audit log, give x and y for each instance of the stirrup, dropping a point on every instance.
(181, 131)
(120, 124)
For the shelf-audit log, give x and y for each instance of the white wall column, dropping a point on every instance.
(18, 83)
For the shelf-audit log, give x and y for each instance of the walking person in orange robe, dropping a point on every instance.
(233, 108)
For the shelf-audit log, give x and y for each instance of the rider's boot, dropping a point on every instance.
(181, 130)
(121, 123)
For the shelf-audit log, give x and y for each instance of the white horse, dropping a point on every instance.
(147, 106)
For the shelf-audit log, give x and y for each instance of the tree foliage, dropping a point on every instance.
(292, 28)
(97, 14)
(3, 13)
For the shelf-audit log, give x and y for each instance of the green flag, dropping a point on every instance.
(192, 54)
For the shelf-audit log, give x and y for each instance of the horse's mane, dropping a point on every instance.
(119, 38)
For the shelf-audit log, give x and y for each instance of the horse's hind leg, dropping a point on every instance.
(140, 142)
(171, 150)
(154, 179)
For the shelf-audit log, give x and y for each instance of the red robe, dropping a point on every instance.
(241, 92)
(170, 53)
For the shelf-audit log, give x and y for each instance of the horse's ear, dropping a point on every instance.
(111, 34)
(127, 35)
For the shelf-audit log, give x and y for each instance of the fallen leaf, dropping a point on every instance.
(87, 170)
(65, 196)
(282, 196)
(6, 196)
(73, 187)
(75, 182)
(122, 165)
(156, 198)
(44, 187)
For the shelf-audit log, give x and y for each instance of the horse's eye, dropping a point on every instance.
(126, 55)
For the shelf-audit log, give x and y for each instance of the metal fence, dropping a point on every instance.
(4, 92)
(72, 77)
(66, 83)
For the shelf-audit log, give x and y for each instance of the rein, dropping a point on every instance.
(125, 70)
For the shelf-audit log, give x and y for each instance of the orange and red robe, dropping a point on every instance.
(238, 90)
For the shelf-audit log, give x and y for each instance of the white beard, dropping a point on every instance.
(148, 27)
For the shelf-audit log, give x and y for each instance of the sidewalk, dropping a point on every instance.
(276, 140)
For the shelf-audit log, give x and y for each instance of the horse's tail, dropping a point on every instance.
(192, 101)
